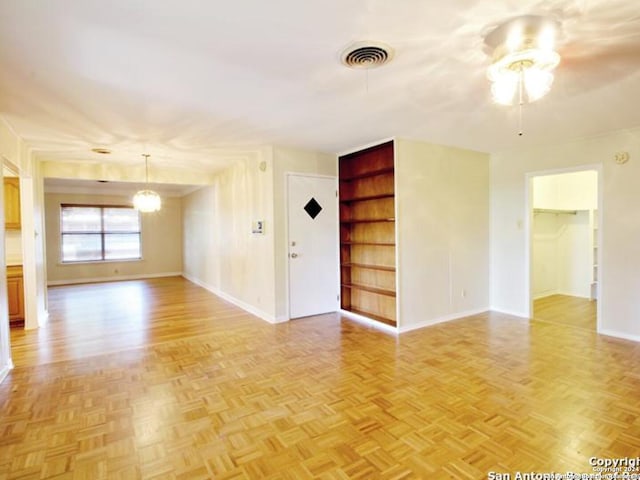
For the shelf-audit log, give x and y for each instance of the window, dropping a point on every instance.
(97, 233)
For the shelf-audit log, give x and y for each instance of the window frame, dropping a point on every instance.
(102, 234)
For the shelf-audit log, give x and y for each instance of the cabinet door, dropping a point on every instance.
(12, 203)
(14, 294)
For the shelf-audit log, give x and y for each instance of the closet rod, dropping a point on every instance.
(551, 210)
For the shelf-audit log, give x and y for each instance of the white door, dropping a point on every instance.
(313, 245)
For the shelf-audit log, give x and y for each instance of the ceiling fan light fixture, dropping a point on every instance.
(147, 200)
(524, 59)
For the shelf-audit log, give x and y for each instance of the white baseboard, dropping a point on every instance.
(367, 321)
(571, 294)
(114, 278)
(237, 302)
(624, 336)
(544, 295)
(511, 313)
(4, 371)
(558, 292)
(446, 318)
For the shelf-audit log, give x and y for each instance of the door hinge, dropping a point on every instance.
(338, 297)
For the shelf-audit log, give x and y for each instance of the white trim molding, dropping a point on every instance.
(115, 278)
(5, 370)
(445, 318)
(520, 315)
(238, 303)
(624, 336)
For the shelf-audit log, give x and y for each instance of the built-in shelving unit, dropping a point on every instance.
(367, 233)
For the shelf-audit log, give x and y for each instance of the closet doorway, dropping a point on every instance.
(565, 238)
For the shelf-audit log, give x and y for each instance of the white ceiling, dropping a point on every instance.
(199, 82)
(101, 187)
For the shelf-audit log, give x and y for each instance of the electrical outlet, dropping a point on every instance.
(463, 294)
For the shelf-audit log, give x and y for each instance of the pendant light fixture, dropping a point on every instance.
(146, 201)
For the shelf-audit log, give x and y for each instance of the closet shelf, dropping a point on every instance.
(364, 198)
(553, 210)
(366, 288)
(377, 244)
(365, 266)
(368, 220)
(371, 173)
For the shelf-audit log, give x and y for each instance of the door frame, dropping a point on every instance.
(529, 176)
(288, 175)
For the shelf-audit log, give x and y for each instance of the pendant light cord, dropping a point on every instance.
(146, 167)
(520, 93)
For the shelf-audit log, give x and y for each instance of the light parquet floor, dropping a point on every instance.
(171, 382)
(566, 310)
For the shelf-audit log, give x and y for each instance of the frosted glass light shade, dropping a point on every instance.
(147, 201)
(504, 88)
(537, 82)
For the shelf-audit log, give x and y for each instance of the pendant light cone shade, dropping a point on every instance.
(147, 201)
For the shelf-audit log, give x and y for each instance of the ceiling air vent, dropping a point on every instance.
(102, 151)
(367, 55)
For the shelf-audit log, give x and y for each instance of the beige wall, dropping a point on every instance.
(286, 160)
(220, 251)
(161, 242)
(619, 281)
(442, 221)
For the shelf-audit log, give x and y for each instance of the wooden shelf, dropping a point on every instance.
(372, 173)
(369, 220)
(366, 288)
(381, 268)
(364, 198)
(373, 316)
(377, 244)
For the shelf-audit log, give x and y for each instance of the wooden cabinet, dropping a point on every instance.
(367, 233)
(15, 294)
(12, 203)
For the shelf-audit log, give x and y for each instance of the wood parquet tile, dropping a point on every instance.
(171, 382)
(566, 310)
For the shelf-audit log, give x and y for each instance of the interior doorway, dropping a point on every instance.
(564, 234)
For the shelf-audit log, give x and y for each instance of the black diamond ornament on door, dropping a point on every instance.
(313, 208)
